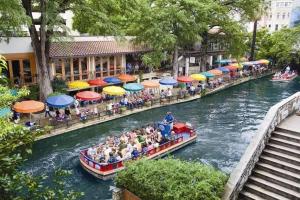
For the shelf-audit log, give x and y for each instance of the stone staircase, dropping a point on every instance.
(276, 176)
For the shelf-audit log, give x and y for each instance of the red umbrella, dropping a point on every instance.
(97, 82)
(88, 96)
(185, 79)
(231, 67)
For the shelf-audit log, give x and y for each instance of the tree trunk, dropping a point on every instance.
(175, 62)
(39, 47)
(252, 54)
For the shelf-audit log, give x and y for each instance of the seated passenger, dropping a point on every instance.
(135, 153)
(112, 158)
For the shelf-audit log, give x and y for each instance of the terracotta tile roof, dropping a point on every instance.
(91, 48)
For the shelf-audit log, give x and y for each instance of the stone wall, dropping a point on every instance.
(275, 115)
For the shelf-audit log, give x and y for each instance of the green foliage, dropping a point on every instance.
(34, 92)
(59, 85)
(281, 46)
(171, 179)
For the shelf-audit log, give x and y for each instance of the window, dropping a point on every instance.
(98, 67)
(27, 71)
(278, 15)
(111, 66)
(84, 68)
(58, 68)
(276, 27)
(119, 63)
(67, 69)
(76, 68)
(270, 16)
(286, 4)
(105, 66)
(270, 25)
(288, 15)
(283, 16)
(16, 71)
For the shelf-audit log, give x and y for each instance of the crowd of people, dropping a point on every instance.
(130, 145)
(285, 74)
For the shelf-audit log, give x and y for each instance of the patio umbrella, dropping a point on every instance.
(127, 78)
(150, 84)
(60, 101)
(247, 63)
(88, 96)
(29, 106)
(215, 72)
(207, 74)
(78, 85)
(231, 68)
(223, 69)
(134, 87)
(185, 79)
(264, 61)
(198, 77)
(168, 81)
(112, 80)
(255, 62)
(6, 111)
(114, 90)
(238, 65)
(97, 82)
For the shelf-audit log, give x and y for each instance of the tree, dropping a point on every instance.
(16, 14)
(167, 179)
(15, 145)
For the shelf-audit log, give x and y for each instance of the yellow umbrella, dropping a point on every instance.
(114, 90)
(78, 85)
(198, 77)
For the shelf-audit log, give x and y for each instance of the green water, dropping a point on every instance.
(225, 122)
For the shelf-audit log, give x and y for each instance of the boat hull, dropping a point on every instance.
(284, 80)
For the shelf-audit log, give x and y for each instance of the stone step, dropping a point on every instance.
(262, 192)
(282, 156)
(249, 196)
(285, 143)
(280, 164)
(287, 136)
(278, 171)
(283, 191)
(283, 149)
(287, 131)
(277, 180)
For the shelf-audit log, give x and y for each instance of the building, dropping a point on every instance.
(277, 15)
(82, 58)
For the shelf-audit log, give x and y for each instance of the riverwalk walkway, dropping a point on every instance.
(76, 124)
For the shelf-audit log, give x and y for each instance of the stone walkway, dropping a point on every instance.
(291, 123)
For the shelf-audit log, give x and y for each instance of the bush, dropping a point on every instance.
(34, 92)
(172, 179)
(59, 85)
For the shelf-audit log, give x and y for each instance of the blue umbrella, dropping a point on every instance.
(113, 80)
(133, 87)
(60, 101)
(5, 112)
(207, 74)
(168, 81)
(223, 69)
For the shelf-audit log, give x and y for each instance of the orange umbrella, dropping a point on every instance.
(232, 67)
(127, 78)
(150, 84)
(185, 79)
(29, 106)
(88, 96)
(216, 72)
(97, 82)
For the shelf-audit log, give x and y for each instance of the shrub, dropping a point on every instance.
(172, 179)
(59, 85)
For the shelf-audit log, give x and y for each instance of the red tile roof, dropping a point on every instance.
(93, 48)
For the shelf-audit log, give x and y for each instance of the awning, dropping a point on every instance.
(29, 106)
(88, 96)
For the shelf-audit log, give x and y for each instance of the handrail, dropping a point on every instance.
(274, 116)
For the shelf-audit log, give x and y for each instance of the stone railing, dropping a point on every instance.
(243, 170)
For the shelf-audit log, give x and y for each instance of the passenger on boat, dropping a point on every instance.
(170, 119)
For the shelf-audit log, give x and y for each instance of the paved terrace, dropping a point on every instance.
(291, 123)
(75, 123)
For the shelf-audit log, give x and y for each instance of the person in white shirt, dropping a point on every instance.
(169, 92)
(76, 103)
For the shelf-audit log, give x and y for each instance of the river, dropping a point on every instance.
(225, 121)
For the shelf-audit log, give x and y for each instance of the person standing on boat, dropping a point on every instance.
(169, 118)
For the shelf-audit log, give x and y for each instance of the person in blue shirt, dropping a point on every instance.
(135, 154)
(169, 119)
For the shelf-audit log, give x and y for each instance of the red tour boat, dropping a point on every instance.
(172, 139)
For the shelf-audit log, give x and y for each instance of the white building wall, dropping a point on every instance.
(16, 45)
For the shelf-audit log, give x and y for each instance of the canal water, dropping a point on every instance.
(226, 122)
